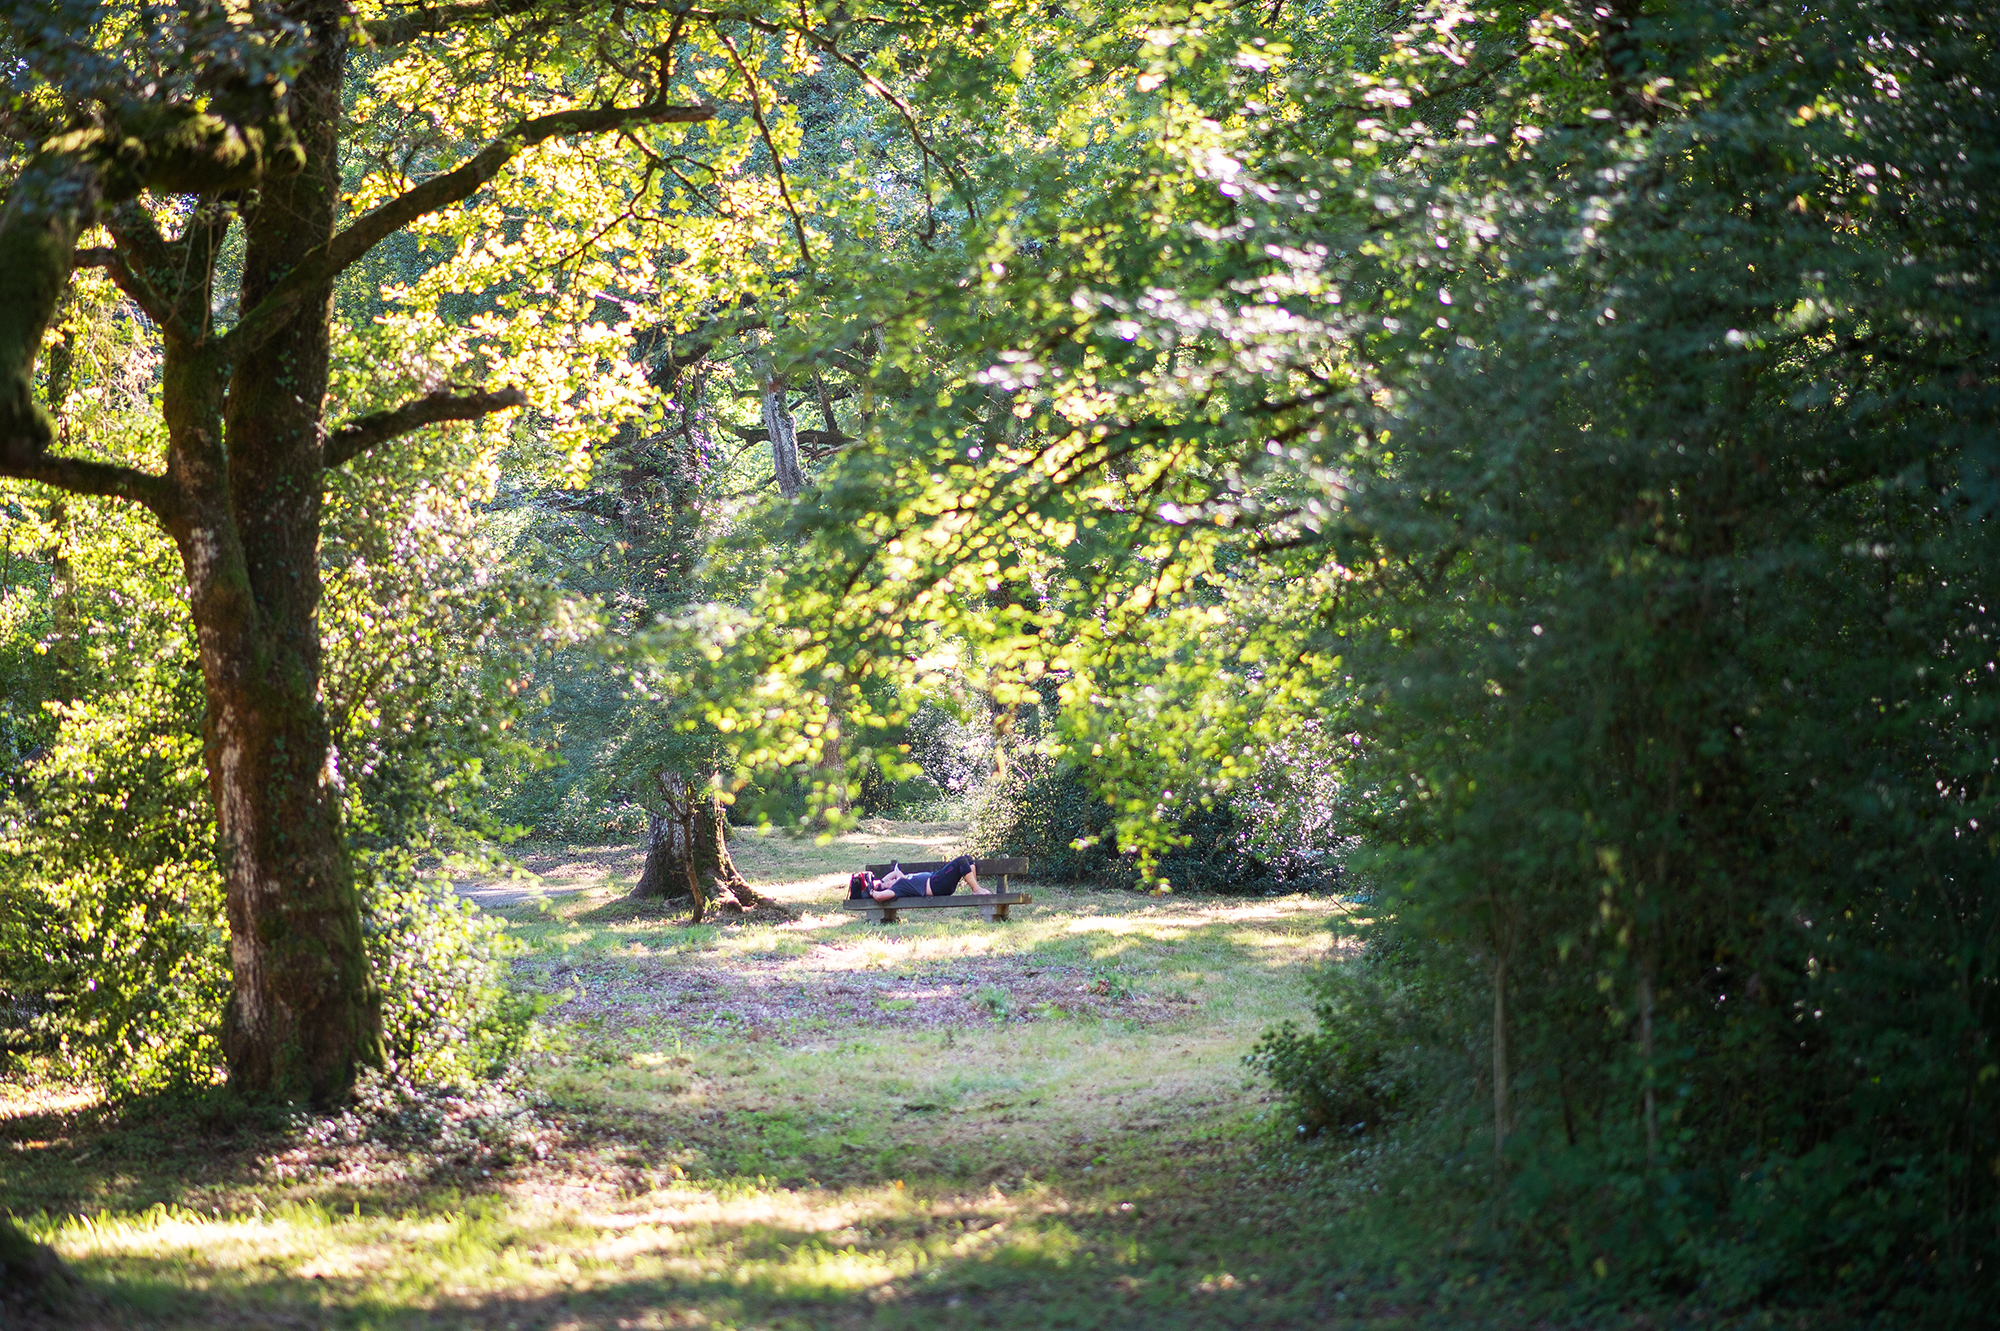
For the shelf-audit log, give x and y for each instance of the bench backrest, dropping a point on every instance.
(997, 867)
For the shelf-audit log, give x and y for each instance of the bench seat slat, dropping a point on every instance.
(941, 903)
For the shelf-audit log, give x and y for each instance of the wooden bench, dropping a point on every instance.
(993, 905)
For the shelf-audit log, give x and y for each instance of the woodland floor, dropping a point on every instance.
(947, 1123)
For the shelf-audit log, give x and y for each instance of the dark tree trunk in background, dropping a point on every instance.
(784, 432)
(687, 852)
(831, 769)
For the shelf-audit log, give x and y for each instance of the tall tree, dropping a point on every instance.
(211, 151)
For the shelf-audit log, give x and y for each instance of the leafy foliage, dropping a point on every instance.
(1546, 456)
(1576, 432)
(112, 927)
(1368, 1063)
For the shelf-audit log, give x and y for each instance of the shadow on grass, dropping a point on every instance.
(211, 1149)
(625, 910)
(1180, 1262)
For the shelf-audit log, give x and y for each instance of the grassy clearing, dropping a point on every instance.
(823, 1123)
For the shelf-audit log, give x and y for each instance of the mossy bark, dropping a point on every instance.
(687, 852)
(241, 499)
(247, 451)
(303, 1016)
(63, 190)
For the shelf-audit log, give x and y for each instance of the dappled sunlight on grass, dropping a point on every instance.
(819, 1122)
(24, 1101)
(711, 1254)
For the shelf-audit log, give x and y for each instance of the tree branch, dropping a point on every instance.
(830, 47)
(63, 191)
(690, 347)
(365, 432)
(122, 276)
(764, 132)
(321, 263)
(400, 28)
(83, 477)
(145, 257)
(824, 441)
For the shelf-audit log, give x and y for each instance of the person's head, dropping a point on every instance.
(861, 884)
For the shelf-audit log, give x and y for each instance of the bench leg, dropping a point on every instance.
(887, 915)
(994, 912)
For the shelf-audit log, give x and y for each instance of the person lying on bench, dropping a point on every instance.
(937, 883)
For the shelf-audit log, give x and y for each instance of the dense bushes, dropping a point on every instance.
(1040, 804)
(440, 963)
(1679, 746)
(1040, 808)
(1579, 428)
(1794, 1173)
(1376, 1048)
(113, 948)
(113, 941)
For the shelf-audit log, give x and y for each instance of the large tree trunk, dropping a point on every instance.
(687, 852)
(246, 452)
(304, 1016)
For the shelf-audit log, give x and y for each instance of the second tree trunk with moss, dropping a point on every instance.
(687, 851)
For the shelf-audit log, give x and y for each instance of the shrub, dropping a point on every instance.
(1044, 808)
(440, 964)
(1040, 808)
(1381, 1029)
(112, 945)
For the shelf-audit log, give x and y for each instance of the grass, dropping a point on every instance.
(824, 1123)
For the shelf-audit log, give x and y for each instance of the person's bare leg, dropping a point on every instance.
(971, 881)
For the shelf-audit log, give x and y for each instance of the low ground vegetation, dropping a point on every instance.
(824, 1123)
(813, 1123)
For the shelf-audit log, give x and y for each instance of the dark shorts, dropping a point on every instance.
(938, 882)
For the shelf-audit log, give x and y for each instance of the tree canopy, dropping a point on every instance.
(1580, 430)
(1544, 455)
